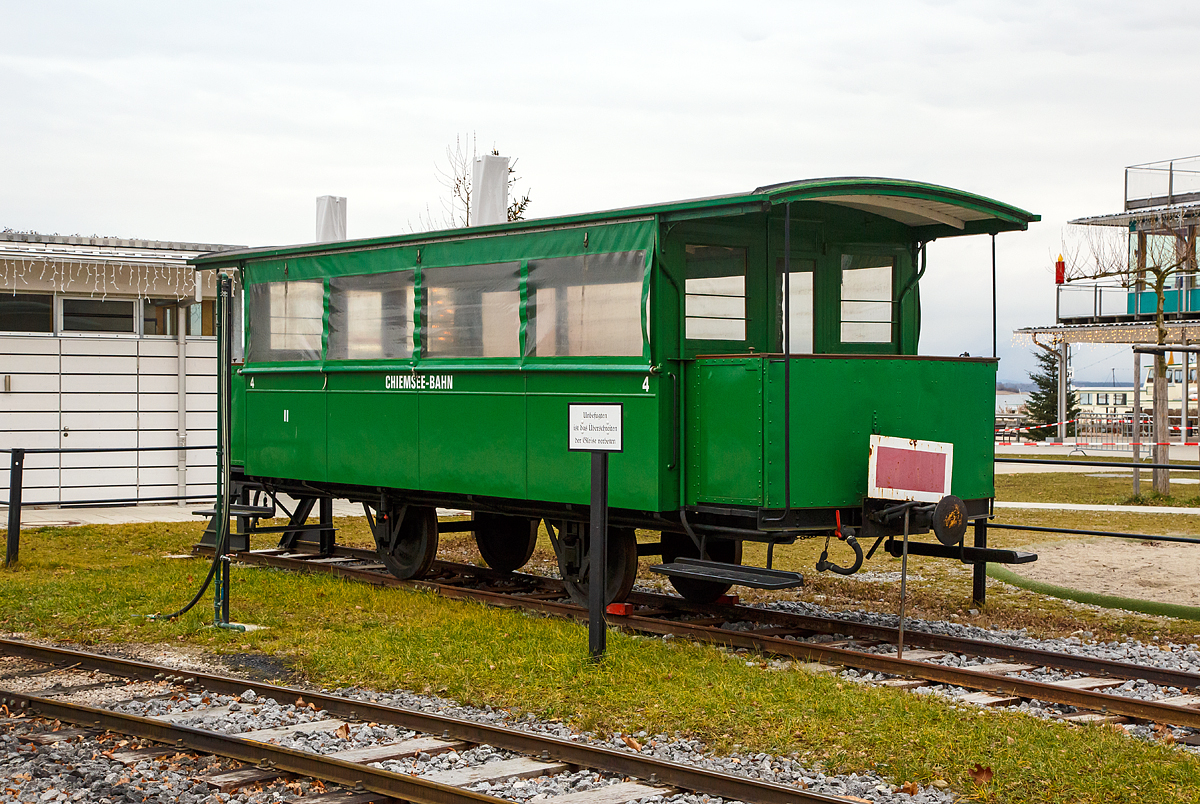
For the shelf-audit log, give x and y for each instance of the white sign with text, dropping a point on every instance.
(594, 428)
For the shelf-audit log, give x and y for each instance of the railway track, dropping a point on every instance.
(624, 776)
(1089, 685)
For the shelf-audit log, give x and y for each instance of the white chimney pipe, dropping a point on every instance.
(331, 218)
(489, 190)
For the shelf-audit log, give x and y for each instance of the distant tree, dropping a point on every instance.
(1042, 406)
(455, 175)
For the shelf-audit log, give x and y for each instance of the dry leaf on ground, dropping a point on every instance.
(981, 774)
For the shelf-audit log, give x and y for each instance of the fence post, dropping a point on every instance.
(14, 507)
(979, 570)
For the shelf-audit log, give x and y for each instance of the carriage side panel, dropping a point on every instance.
(287, 415)
(372, 432)
(471, 432)
(839, 401)
(635, 474)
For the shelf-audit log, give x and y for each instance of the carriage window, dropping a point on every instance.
(371, 317)
(286, 320)
(866, 304)
(1085, 399)
(1101, 399)
(1118, 399)
(587, 305)
(800, 307)
(472, 311)
(715, 293)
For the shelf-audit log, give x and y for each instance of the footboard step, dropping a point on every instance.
(720, 572)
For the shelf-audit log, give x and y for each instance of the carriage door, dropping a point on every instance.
(726, 317)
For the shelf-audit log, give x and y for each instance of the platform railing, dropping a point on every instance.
(16, 472)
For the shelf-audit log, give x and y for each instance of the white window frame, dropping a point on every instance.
(58, 316)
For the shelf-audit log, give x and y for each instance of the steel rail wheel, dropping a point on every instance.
(505, 542)
(680, 545)
(622, 568)
(407, 539)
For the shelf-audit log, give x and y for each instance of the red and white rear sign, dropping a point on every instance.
(907, 469)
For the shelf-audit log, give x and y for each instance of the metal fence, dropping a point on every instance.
(16, 471)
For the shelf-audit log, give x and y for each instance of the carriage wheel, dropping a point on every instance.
(413, 540)
(622, 568)
(680, 545)
(505, 542)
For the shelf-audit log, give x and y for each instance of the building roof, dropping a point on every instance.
(931, 210)
(112, 242)
(1146, 218)
(1178, 332)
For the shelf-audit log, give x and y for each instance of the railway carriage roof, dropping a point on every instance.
(930, 210)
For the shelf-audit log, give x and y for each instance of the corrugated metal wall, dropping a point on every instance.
(105, 392)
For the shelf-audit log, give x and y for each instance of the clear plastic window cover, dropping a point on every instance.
(715, 293)
(800, 308)
(586, 306)
(472, 311)
(371, 316)
(288, 320)
(866, 298)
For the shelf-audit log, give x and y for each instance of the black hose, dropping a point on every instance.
(199, 593)
(824, 563)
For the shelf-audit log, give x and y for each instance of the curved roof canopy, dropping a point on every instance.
(930, 210)
(912, 203)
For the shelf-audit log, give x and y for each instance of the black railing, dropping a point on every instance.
(16, 473)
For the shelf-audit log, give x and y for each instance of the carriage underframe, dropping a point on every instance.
(700, 547)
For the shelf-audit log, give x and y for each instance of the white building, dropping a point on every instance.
(106, 343)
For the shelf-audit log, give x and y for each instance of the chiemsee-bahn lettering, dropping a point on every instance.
(418, 382)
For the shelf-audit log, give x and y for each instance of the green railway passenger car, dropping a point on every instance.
(435, 370)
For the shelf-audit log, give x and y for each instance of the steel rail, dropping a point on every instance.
(943, 674)
(815, 652)
(318, 766)
(800, 622)
(657, 771)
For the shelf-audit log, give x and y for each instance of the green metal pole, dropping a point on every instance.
(221, 579)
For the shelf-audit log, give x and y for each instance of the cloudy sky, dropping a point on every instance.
(222, 121)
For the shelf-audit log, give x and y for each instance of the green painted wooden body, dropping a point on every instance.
(704, 420)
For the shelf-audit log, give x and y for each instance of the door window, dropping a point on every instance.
(866, 299)
(715, 293)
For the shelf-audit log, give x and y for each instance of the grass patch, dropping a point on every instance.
(1080, 487)
(90, 584)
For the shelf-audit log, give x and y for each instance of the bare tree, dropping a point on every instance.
(1161, 249)
(455, 175)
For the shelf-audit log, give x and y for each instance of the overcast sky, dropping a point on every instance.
(222, 121)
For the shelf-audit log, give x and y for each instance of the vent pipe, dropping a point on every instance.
(331, 218)
(489, 190)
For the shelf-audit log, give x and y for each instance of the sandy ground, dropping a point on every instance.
(1159, 571)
